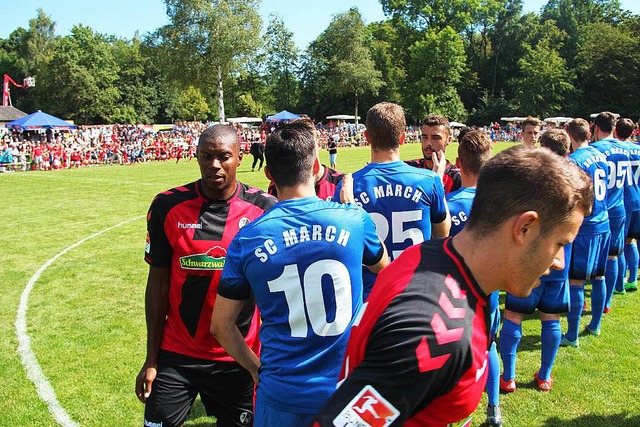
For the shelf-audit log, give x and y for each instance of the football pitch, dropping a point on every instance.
(72, 298)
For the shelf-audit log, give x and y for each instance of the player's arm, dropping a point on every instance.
(384, 261)
(224, 329)
(440, 217)
(156, 308)
(346, 190)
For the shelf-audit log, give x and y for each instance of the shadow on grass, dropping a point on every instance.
(198, 416)
(622, 419)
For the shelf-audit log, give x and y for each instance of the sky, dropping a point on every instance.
(124, 17)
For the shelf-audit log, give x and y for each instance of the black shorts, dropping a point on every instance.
(225, 388)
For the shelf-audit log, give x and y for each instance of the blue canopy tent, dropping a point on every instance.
(39, 120)
(283, 116)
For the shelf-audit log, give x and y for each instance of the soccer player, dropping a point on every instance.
(591, 247)
(417, 356)
(189, 230)
(475, 150)
(624, 131)
(436, 137)
(618, 160)
(550, 298)
(302, 261)
(326, 179)
(530, 131)
(406, 203)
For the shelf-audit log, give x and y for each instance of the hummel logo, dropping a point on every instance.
(187, 225)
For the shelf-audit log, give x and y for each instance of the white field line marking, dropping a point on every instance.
(29, 361)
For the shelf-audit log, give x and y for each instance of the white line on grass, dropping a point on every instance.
(29, 361)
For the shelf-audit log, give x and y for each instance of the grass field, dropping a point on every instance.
(85, 316)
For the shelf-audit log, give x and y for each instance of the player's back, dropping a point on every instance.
(632, 189)
(303, 260)
(594, 163)
(618, 160)
(403, 201)
(460, 202)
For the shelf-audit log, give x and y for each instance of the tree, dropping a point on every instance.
(193, 106)
(608, 69)
(207, 40)
(433, 14)
(545, 82)
(281, 62)
(80, 80)
(436, 69)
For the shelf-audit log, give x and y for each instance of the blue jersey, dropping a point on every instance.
(618, 160)
(403, 201)
(460, 202)
(632, 189)
(302, 261)
(594, 163)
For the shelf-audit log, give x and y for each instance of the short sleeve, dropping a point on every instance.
(233, 282)
(438, 204)
(158, 249)
(373, 249)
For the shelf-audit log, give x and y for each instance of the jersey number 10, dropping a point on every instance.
(306, 300)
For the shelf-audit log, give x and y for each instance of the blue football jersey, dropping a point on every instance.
(460, 202)
(302, 261)
(403, 201)
(594, 163)
(618, 160)
(632, 189)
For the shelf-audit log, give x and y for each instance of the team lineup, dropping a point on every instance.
(371, 299)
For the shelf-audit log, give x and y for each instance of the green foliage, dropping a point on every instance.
(545, 82)
(80, 82)
(193, 105)
(213, 37)
(436, 68)
(281, 62)
(433, 14)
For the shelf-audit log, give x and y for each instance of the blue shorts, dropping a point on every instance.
(332, 158)
(616, 225)
(267, 416)
(632, 225)
(552, 296)
(589, 255)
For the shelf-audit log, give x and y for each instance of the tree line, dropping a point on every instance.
(471, 60)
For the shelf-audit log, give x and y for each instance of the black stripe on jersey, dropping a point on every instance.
(213, 217)
(257, 198)
(194, 293)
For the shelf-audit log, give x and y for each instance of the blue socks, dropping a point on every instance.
(493, 380)
(575, 312)
(622, 274)
(551, 335)
(597, 302)
(510, 337)
(611, 274)
(631, 255)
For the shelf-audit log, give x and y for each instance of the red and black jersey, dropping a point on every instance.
(452, 179)
(325, 187)
(417, 355)
(189, 234)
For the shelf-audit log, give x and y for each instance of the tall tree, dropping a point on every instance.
(281, 62)
(433, 14)
(545, 84)
(436, 69)
(207, 40)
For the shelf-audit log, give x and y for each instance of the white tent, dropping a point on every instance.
(342, 117)
(244, 120)
(513, 119)
(457, 125)
(558, 119)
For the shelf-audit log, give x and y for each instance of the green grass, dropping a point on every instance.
(86, 312)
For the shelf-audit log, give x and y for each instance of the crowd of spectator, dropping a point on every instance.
(88, 146)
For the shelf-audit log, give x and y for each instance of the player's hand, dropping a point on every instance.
(439, 162)
(144, 380)
(346, 192)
